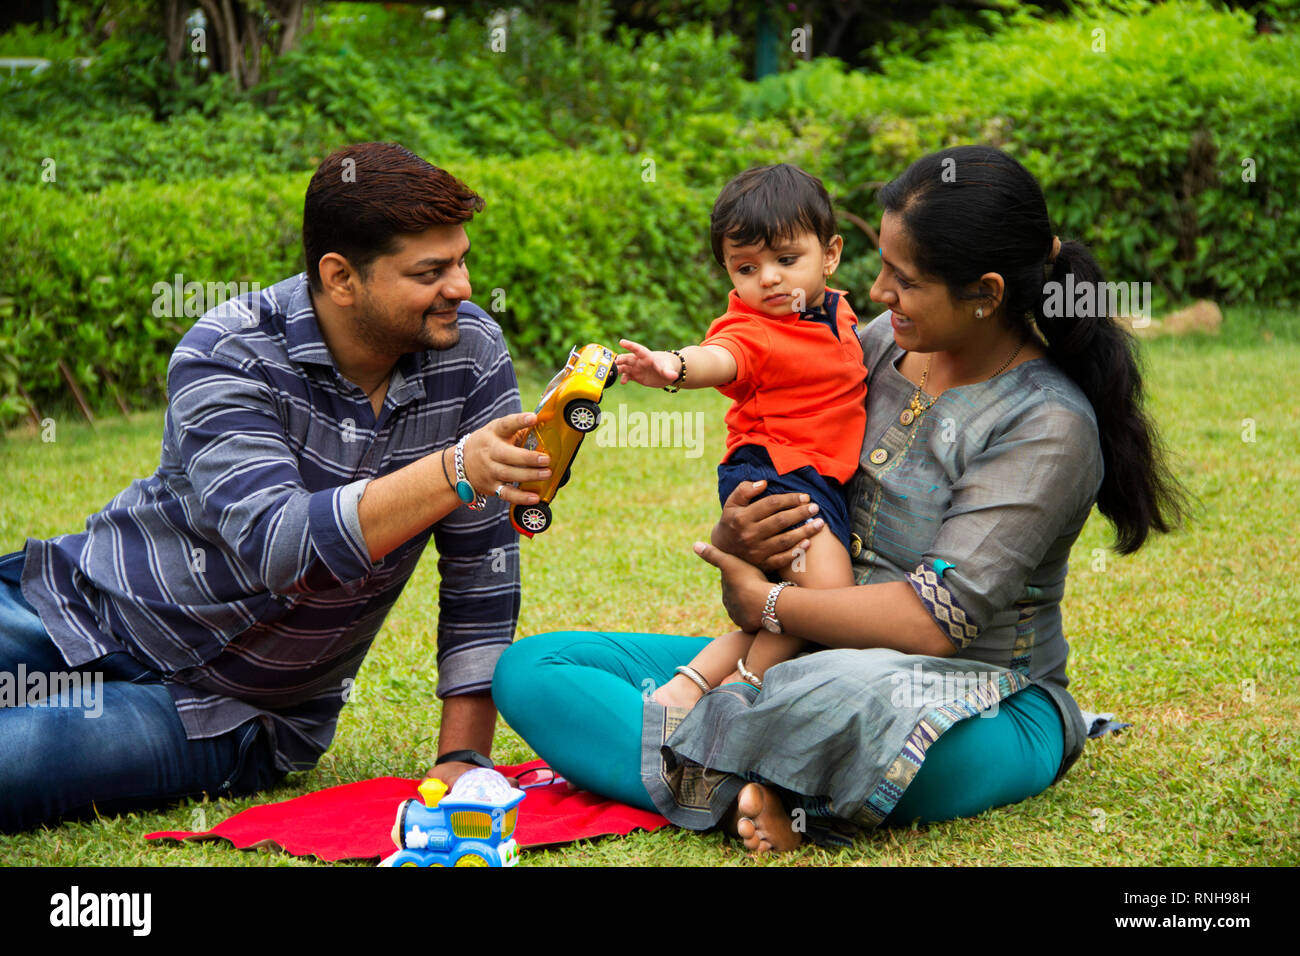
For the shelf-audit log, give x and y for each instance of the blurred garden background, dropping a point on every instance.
(161, 141)
(147, 144)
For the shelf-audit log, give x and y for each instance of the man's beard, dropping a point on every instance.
(437, 336)
(383, 332)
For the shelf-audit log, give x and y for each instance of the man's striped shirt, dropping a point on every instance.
(238, 571)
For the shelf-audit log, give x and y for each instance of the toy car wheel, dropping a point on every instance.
(536, 518)
(472, 859)
(568, 473)
(582, 415)
(612, 379)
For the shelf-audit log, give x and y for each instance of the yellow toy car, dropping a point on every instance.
(569, 408)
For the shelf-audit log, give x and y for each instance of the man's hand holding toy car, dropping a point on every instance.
(493, 461)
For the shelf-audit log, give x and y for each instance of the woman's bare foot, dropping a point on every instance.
(761, 822)
(681, 691)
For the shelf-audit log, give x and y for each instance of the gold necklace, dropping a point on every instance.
(915, 407)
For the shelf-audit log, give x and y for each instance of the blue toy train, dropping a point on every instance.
(442, 830)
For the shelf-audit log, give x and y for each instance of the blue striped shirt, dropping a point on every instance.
(238, 571)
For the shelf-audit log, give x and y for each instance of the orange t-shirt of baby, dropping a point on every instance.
(800, 392)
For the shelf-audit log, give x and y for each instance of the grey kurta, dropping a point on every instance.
(976, 503)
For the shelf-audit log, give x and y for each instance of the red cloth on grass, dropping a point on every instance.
(354, 821)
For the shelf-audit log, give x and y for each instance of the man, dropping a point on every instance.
(310, 450)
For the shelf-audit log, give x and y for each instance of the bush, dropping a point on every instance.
(570, 249)
(441, 92)
(1140, 146)
(80, 271)
(1145, 149)
(130, 146)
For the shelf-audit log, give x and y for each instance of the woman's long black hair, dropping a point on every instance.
(969, 210)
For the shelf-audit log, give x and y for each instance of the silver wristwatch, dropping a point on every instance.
(770, 621)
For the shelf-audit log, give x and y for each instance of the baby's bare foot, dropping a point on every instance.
(761, 821)
(678, 692)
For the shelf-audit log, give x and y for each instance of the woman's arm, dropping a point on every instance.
(888, 614)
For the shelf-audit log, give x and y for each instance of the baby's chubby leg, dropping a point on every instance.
(825, 564)
(715, 663)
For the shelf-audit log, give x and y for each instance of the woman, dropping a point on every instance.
(994, 425)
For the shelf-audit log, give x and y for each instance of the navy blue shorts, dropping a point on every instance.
(752, 463)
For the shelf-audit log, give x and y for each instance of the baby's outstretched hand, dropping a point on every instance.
(640, 365)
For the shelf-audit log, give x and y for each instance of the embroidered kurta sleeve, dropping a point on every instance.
(1029, 489)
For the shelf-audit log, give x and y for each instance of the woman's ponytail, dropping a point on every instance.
(991, 217)
(1138, 492)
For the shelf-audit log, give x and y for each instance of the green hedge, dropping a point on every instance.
(77, 281)
(1139, 147)
(580, 247)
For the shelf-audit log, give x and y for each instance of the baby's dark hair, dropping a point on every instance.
(770, 204)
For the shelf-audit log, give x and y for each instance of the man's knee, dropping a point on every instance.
(129, 752)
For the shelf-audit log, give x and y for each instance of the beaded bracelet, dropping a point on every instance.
(681, 375)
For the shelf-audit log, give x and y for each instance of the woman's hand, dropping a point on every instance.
(760, 532)
(493, 459)
(652, 369)
(744, 587)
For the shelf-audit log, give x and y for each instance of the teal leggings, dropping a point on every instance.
(576, 698)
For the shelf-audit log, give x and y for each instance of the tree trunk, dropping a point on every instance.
(250, 48)
(241, 33)
(289, 16)
(174, 30)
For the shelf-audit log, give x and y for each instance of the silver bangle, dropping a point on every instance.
(695, 677)
(464, 490)
(748, 676)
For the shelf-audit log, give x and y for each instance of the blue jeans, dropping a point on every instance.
(109, 739)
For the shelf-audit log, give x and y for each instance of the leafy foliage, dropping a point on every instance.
(571, 247)
(1163, 139)
(1162, 136)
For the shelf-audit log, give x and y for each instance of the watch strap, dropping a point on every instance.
(770, 621)
(466, 756)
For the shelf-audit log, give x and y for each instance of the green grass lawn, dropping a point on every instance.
(1193, 640)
